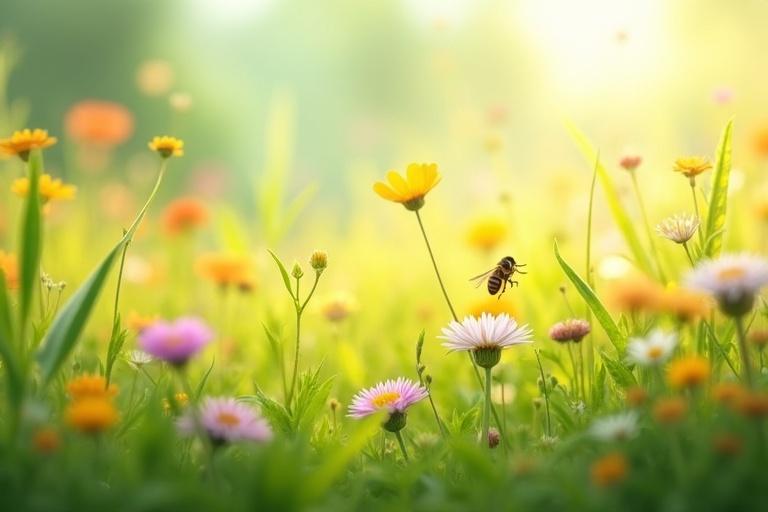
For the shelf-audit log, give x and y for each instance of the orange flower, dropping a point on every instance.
(760, 141)
(10, 267)
(635, 293)
(689, 372)
(101, 123)
(636, 396)
(727, 393)
(226, 269)
(24, 141)
(727, 444)
(609, 470)
(669, 411)
(183, 215)
(138, 323)
(683, 304)
(753, 404)
(759, 338)
(91, 415)
(90, 386)
(46, 440)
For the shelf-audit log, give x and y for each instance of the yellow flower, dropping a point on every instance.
(338, 306)
(486, 233)
(609, 470)
(91, 415)
(409, 191)
(689, 372)
(226, 269)
(24, 141)
(167, 146)
(50, 188)
(10, 267)
(90, 386)
(180, 400)
(684, 305)
(691, 166)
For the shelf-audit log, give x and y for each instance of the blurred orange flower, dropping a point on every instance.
(226, 269)
(10, 267)
(670, 410)
(683, 304)
(753, 404)
(90, 386)
(727, 393)
(183, 215)
(609, 470)
(97, 122)
(138, 323)
(91, 415)
(635, 293)
(760, 141)
(46, 440)
(689, 372)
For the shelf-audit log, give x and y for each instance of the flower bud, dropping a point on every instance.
(493, 438)
(297, 271)
(319, 261)
(334, 404)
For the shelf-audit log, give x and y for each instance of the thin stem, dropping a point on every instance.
(487, 408)
(402, 445)
(311, 291)
(546, 393)
(648, 231)
(746, 364)
(576, 387)
(688, 253)
(590, 282)
(434, 265)
(696, 209)
(298, 345)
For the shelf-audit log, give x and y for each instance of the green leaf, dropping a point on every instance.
(69, 323)
(283, 273)
(204, 380)
(7, 349)
(311, 397)
(275, 412)
(31, 238)
(609, 326)
(719, 198)
(116, 342)
(615, 204)
(619, 372)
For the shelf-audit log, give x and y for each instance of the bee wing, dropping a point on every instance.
(479, 279)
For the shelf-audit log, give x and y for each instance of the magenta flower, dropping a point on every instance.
(175, 342)
(392, 395)
(226, 420)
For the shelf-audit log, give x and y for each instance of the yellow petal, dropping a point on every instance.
(416, 181)
(385, 192)
(399, 185)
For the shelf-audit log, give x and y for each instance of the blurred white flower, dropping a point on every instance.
(732, 279)
(618, 427)
(652, 350)
(678, 228)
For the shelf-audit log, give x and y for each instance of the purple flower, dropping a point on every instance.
(175, 342)
(226, 420)
(392, 395)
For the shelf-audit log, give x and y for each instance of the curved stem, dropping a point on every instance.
(746, 364)
(434, 265)
(402, 445)
(688, 253)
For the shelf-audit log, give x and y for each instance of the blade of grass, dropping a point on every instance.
(31, 240)
(597, 308)
(718, 200)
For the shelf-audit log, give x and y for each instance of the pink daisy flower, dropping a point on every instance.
(226, 420)
(391, 395)
(175, 342)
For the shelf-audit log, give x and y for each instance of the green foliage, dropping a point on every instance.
(619, 372)
(283, 274)
(31, 239)
(718, 200)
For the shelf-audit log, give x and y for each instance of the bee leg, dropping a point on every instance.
(503, 289)
(513, 283)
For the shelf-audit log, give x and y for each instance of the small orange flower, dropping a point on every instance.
(183, 215)
(689, 372)
(684, 305)
(630, 162)
(753, 404)
(92, 415)
(760, 141)
(759, 338)
(727, 444)
(728, 393)
(337, 307)
(10, 267)
(691, 166)
(138, 323)
(409, 191)
(167, 146)
(24, 141)
(609, 470)
(46, 440)
(90, 386)
(49, 188)
(669, 411)
(226, 269)
(635, 293)
(101, 123)
(636, 396)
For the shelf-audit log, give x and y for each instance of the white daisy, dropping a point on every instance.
(732, 279)
(140, 358)
(678, 228)
(618, 427)
(486, 332)
(652, 350)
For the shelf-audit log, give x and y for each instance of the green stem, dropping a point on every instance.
(688, 253)
(648, 231)
(576, 387)
(402, 445)
(696, 209)
(546, 394)
(746, 364)
(487, 408)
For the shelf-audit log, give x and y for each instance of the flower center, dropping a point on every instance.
(387, 398)
(655, 352)
(729, 274)
(228, 419)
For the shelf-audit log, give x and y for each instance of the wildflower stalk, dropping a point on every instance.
(688, 253)
(455, 317)
(487, 408)
(648, 231)
(546, 393)
(402, 445)
(590, 281)
(300, 307)
(428, 385)
(746, 364)
(696, 209)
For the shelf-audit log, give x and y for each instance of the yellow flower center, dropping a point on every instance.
(228, 419)
(729, 274)
(655, 352)
(386, 398)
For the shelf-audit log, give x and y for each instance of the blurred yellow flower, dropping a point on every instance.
(684, 305)
(337, 307)
(691, 166)
(688, 372)
(493, 306)
(635, 293)
(90, 386)
(10, 267)
(226, 270)
(50, 188)
(409, 191)
(137, 322)
(91, 415)
(609, 470)
(180, 401)
(167, 146)
(24, 141)
(486, 233)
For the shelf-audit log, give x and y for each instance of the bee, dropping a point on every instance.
(500, 275)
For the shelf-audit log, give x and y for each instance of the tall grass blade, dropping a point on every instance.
(719, 198)
(31, 239)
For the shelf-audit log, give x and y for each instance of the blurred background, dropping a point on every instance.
(290, 110)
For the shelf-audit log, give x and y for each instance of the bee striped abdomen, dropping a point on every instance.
(494, 284)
